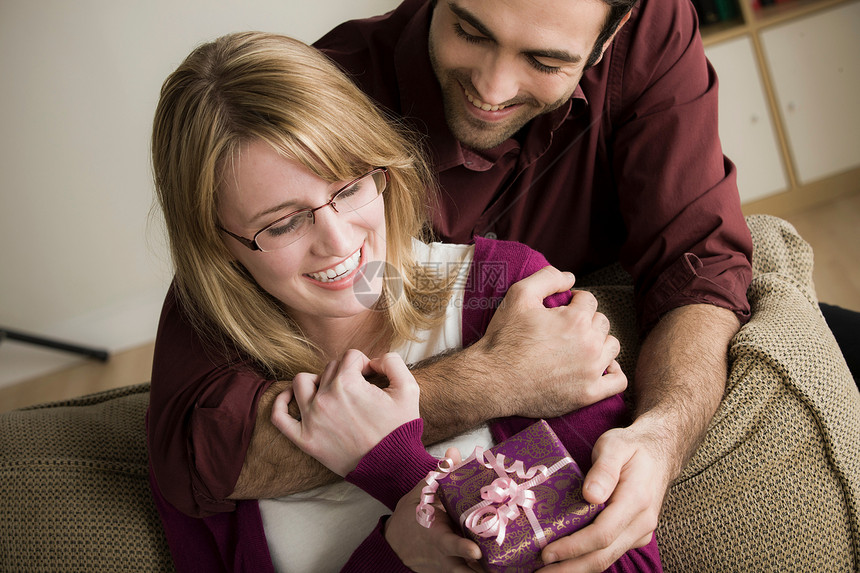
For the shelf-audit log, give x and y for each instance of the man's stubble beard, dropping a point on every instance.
(471, 131)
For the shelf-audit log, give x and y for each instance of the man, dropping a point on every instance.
(586, 129)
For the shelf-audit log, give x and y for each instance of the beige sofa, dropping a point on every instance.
(773, 487)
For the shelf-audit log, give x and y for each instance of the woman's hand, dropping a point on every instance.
(342, 415)
(437, 548)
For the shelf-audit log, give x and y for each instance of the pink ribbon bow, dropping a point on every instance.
(502, 499)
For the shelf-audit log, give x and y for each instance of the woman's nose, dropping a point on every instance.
(333, 230)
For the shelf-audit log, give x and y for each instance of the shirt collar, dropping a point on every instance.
(420, 94)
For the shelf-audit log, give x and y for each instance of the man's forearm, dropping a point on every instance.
(680, 378)
(532, 361)
(457, 392)
(456, 395)
(274, 466)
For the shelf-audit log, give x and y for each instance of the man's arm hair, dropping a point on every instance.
(681, 375)
(275, 467)
(456, 394)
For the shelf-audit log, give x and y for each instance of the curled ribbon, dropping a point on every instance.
(425, 510)
(502, 499)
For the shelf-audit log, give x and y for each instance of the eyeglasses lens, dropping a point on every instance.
(354, 196)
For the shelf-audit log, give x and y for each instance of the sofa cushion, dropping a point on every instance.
(73, 487)
(775, 482)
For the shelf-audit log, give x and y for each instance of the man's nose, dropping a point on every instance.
(495, 79)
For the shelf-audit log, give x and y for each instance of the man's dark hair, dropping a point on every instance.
(617, 10)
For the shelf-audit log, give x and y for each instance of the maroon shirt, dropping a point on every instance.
(630, 170)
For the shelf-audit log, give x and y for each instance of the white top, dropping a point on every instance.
(318, 530)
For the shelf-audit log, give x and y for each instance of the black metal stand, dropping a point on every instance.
(95, 353)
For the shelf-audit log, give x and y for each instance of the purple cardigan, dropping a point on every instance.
(235, 541)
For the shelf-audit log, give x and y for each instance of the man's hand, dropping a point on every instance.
(437, 548)
(562, 352)
(342, 415)
(680, 379)
(628, 476)
(533, 361)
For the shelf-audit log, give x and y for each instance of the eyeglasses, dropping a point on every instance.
(292, 227)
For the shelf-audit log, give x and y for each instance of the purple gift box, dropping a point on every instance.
(539, 499)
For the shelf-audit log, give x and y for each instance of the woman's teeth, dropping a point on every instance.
(484, 106)
(336, 273)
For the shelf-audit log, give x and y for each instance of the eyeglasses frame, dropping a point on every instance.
(252, 243)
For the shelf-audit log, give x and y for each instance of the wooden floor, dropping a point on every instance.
(122, 369)
(832, 229)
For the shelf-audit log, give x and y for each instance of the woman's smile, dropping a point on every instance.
(340, 275)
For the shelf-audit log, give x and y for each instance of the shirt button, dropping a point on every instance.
(491, 235)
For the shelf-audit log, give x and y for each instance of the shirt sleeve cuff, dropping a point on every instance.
(688, 281)
(374, 554)
(395, 465)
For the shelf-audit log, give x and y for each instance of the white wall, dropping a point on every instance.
(79, 256)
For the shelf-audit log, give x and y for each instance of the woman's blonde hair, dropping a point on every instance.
(262, 87)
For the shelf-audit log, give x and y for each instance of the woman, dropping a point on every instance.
(293, 210)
